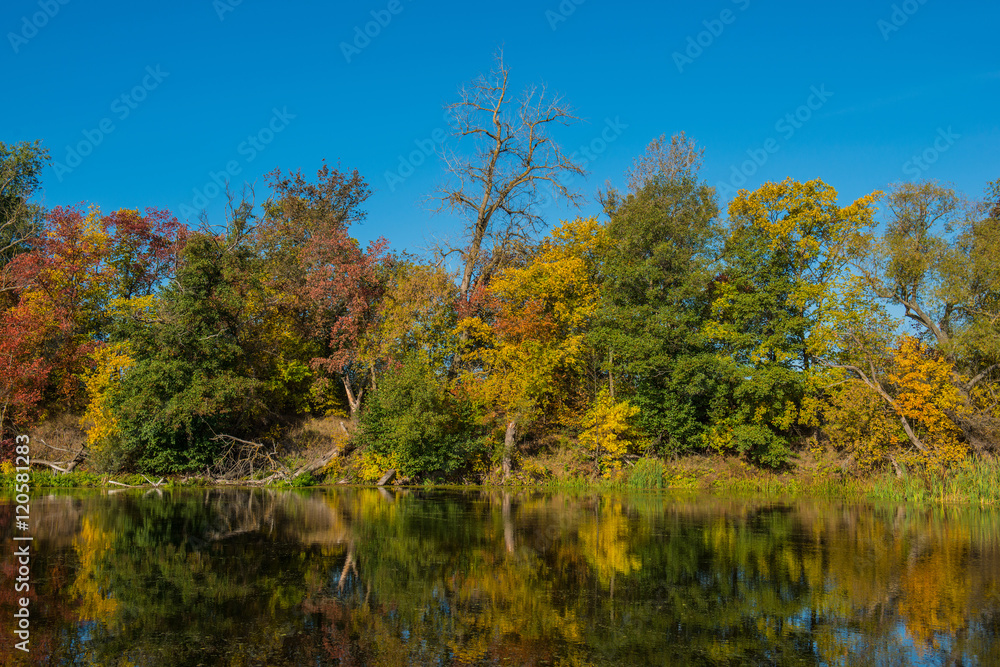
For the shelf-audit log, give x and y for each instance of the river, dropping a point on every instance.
(478, 577)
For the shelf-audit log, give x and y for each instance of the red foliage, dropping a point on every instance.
(347, 285)
(340, 285)
(59, 310)
(144, 248)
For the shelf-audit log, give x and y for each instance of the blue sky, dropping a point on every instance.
(165, 96)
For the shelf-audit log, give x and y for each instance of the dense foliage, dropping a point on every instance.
(667, 328)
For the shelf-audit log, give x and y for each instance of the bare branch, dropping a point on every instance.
(497, 187)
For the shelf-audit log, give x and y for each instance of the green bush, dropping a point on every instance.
(414, 421)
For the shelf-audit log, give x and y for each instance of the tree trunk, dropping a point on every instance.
(508, 450)
(508, 524)
(352, 401)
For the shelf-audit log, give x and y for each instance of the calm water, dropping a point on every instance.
(368, 577)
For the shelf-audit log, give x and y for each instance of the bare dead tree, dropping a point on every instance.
(498, 187)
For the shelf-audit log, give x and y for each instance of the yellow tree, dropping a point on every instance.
(904, 411)
(415, 316)
(529, 358)
(778, 306)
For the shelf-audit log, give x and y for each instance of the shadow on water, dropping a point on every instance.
(366, 576)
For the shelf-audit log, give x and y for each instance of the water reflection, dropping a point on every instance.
(378, 577)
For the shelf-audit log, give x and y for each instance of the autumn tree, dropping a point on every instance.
(144, 250)
(939, 261)
(778, 306)
(497, 187)
(332, 283)
(59, 316)
(416, 317)
(527, 357)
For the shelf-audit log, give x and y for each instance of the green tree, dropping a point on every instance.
(778, 306)
(414, 424)
(653, 295)
(193, 376)
(20, 220)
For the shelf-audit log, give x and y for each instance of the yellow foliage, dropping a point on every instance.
(542, 312)
(608, 432)
(412, 314)
(372, 466)
(927, 393)
(805, 222)
(110, 364)
(96, 604)
(861, 422)
(869, 427)
(606, 542)
(935, 592)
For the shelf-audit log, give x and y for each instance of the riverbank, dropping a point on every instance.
(975, 482)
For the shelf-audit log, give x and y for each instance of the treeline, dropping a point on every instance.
(665, 328)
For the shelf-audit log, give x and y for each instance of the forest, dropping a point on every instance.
(666, 328)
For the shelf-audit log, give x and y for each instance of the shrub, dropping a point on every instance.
(412, 421)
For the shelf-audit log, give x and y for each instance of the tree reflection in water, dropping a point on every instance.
(363, 576)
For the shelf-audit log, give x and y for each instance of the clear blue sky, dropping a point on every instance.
(887, 81)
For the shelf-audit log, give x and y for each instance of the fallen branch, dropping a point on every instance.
(316, 464)
(63, 466)
(55, 465)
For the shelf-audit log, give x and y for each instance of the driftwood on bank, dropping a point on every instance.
(63, 467)
(137, 486)
(241, 461)
(244, 459)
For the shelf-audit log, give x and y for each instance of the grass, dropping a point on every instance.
(45, 479)
(975, 482)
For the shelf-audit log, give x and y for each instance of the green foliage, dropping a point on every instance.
(755, 416)
(647, 333)
(676, 406)
(191, 375)
(776, 306)
(659, 331)
(412, 421)
(21, 165)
